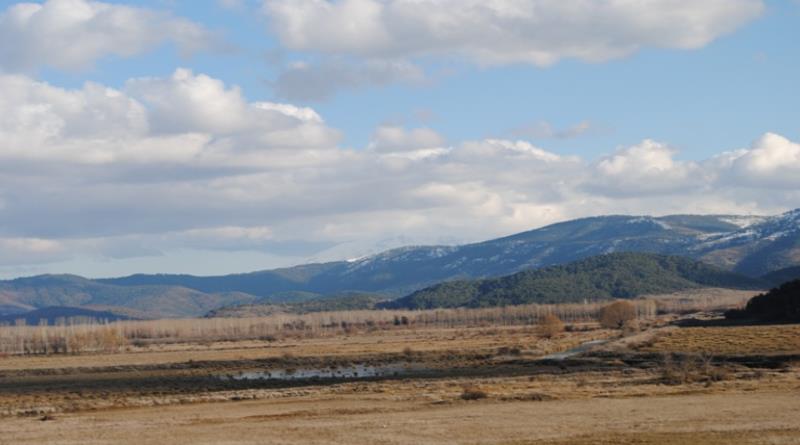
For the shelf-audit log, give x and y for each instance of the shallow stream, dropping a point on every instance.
(359, 371)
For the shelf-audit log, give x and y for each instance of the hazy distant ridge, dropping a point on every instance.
(749, 245)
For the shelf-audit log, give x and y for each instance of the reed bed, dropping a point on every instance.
(80, 335)
(71, 336)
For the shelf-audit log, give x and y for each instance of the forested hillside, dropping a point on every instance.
(618, 275)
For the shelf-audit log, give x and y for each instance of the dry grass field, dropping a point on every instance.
(730, 340)
(748, 418)
(466, 384)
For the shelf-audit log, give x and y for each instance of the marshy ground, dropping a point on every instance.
(667, 384)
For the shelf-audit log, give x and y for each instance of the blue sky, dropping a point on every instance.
(384, 124)
(703, 101)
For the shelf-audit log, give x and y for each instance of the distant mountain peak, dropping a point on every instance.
(747, 244)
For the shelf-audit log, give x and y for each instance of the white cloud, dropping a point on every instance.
(772, 161)
(108, 173)
(14, 251)
(72, 34)
(539, 32)
(648, 167)
(185, 118)
(368, 43)
(515, 149)
(187, 102)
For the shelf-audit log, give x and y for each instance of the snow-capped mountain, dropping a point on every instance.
(768, 245)
(697, 236)
(749, 245)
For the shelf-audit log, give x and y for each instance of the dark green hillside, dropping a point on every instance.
(55, 314)
(781, 304)
(341, 302)
(618, 275)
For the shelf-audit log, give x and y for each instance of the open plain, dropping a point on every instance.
(665, 383)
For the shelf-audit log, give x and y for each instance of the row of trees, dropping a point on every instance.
(111, 337)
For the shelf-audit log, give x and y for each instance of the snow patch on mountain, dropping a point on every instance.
(744, 221)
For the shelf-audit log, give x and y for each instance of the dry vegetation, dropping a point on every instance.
(729, 340)
(616, 315)
(473, 376)
(114, 337)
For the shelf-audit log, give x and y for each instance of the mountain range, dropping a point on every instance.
(754, 246)
(156, 301)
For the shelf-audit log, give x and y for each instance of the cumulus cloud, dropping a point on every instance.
(137, 171)
(184, 118)
(772, 160)
(186, 103)
(538, 32)
(72, 34)
(648, 167)
(189, 103)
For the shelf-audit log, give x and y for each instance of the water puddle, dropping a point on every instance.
(584, 347)
(359, 371)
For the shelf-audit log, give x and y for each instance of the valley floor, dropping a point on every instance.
(762, 417)
(666, 385)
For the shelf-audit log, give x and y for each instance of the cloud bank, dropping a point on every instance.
(538, 32)
(186, 162)
(384, 38)
(73, 34)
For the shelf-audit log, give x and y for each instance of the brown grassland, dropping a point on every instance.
(479, 377)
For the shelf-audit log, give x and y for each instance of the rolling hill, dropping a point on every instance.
(750, 245)
(604, 277)
(781, 276)
(154, 301)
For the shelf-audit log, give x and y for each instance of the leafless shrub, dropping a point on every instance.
(550, 326)
(674, 372)
(473, 393)
(529, 397)
(692, 369)
(615, 315)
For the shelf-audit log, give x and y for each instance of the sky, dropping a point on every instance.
(221, 136)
